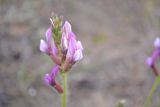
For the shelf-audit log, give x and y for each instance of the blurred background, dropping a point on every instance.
(117, 36)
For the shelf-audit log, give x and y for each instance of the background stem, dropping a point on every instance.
(152, 91)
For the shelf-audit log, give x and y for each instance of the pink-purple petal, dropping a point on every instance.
(70, 52)
(72, 47)
(157, 43)
(54, 71)
(71, 35)
(79, 45)
(47, 79)
(67, 27)
(72, 42)
(149, 61)
(50, 78)
(54, 49)
(49, 35)
(155, 55)
(43, 46)
(64, 42)
(78, 55)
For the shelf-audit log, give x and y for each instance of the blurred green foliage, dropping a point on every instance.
(2, 2)
(99, 38)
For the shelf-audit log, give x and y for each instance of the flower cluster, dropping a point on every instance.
(151, 61)
(62, 47)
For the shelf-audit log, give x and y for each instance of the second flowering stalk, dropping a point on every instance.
(152, 62)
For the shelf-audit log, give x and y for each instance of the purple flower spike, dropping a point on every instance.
(43, 46)
(151, 61)
(61, 46)
(157, 43)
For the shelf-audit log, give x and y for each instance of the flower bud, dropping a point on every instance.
(50, 79)
(58, 88)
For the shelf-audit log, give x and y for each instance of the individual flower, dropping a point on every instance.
(50, 79)
(66, 30)
(49, 47)
(69, 45)
(74, 52)
(45, 46)
(75, 49)
(156, 53)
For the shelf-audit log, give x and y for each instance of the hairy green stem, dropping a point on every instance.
(152, 91)
(64, 94)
